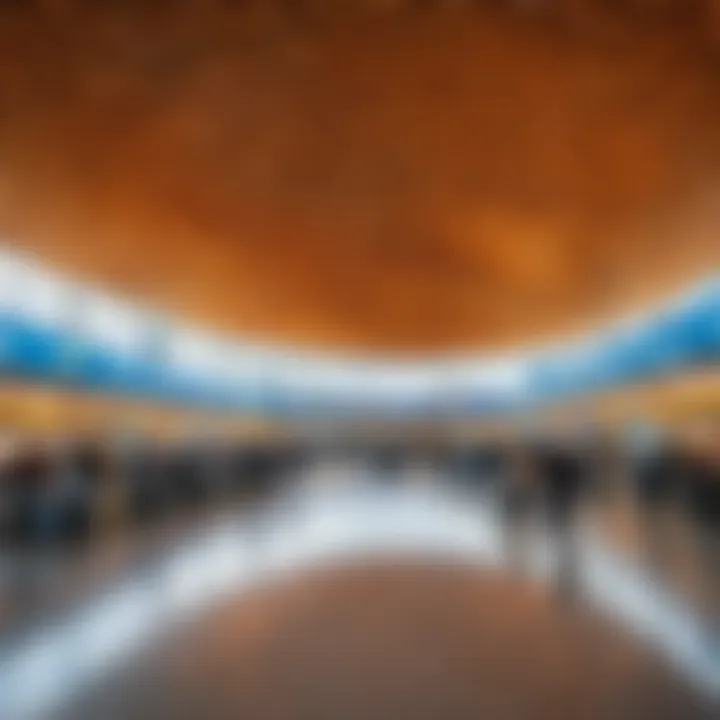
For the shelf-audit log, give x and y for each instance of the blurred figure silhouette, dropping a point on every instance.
(656, 464)
(562, 467)
(518, 500)
(28, 471)
(143, 472)
(703, 486)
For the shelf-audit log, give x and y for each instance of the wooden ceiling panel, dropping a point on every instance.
(431, 177)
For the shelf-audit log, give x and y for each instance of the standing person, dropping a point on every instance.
(65, 498)
(7, 450)
(518, 495)
(703, 485)
(30, 480)
(562, 469)
(656, 467)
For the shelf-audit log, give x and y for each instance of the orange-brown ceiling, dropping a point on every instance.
(372, 175)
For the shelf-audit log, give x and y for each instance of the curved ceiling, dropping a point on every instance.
(398, 177)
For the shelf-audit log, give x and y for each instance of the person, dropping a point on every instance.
(656, 464)
(63, 505)
(518, 496)
(27, 477)
(6, 497)
(703, 485)
(146, 491)
(86, 472)
(561, 467)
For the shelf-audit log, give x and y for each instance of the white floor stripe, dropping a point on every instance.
(320, 522)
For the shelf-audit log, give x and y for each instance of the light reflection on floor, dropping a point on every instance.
(336, 513)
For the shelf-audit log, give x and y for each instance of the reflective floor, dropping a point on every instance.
(348, 595)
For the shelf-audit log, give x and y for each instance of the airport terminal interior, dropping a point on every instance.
(359, 359)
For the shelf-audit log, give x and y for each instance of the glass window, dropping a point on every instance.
(193, 353)
(31, 292)
(111, 323)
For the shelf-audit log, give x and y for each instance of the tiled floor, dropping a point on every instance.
(397, 639)
(232, 615)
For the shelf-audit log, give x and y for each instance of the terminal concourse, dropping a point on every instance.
(359, 359)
